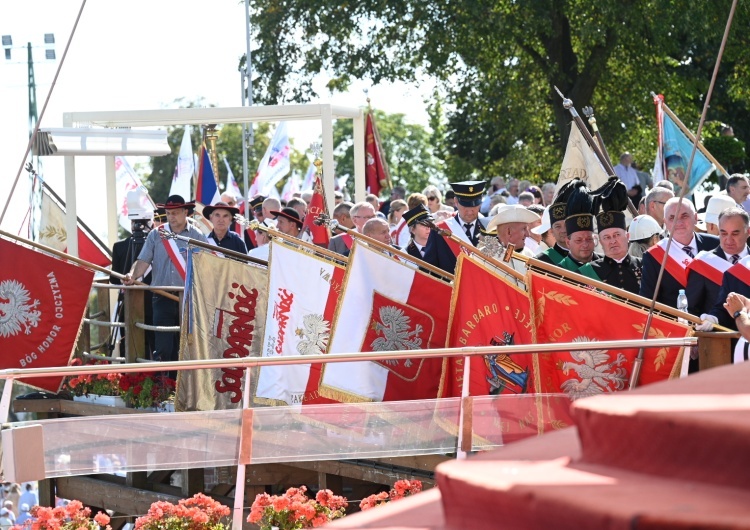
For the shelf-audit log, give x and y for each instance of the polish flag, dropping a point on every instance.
(387, 306)
(303, 291)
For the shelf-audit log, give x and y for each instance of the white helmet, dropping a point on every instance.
(643, 227)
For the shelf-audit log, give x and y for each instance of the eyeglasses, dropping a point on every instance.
(432, 199)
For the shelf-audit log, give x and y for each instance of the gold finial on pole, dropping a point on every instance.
(211, 137)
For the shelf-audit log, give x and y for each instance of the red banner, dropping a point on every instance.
(319, 233)
(485, 311)
(42, 302)
(375, 172)
(568, 313)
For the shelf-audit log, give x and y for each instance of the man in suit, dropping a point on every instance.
(731, 260)
(679, 219)
(360, 213)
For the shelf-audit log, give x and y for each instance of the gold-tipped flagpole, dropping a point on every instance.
(604, 160)
(81, 262)
(589, 113)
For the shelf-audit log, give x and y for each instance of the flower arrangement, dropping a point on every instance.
(401, 489)
(101, 384)
(73, 516)
(200, 512)
(142, 390)
(294, 509)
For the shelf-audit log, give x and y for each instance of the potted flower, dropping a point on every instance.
(102, 389)
(200, 512)
(294, 509)
(144, 391)
(401, 489)
(72, 516)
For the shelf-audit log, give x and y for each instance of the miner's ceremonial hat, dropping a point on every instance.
(468, 193)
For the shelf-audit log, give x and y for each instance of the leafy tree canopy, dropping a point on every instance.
(497, 62)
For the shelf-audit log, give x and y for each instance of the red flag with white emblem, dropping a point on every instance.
(376, 171)
(42, 302)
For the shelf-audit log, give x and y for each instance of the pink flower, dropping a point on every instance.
(102, 519)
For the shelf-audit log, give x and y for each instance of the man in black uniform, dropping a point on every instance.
(616, 268)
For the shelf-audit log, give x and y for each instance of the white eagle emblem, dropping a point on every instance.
(394, 326)
(597, 375)
(17, 311)
(314, 335)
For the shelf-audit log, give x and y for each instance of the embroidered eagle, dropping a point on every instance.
(314, 335)
(17, 311)
(394, 326)
(596, 374)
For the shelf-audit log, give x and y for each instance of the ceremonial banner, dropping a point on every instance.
(42, 302)
(52, 232)
(489, 310)
(376, 170)
(274, 164)
(581, 162)
(673, 153)
(126, 180)
(569, 313)
(386, 305)
(206, 190)
(183, 172)
(303, 292)
(232, 187)
(318, 233)
(291, 186)
(225, 310)
(309, 181)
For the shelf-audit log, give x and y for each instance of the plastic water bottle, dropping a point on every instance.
(682, 305)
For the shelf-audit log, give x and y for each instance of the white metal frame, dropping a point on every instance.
(326, 113)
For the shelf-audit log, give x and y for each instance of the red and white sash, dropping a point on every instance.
(710, 266)
(741, 270)
(457, 230)
(396, 232)
(677, 261)
(173, 251)
(348, 240)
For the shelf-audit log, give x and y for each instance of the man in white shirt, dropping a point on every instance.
(629, 176)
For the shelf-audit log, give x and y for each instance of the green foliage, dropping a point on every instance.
(497, 62)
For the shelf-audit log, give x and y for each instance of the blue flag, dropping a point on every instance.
(674, 152)
(206, 191)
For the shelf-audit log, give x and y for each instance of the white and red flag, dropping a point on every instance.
(42, 302)
(386, 305)
(183, 172)
(52, 231)
(126, 180)
(303, 290)
(274, 165)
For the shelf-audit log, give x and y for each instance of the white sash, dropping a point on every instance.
(173, 251)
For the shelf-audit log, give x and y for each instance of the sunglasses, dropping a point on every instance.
(432, 199)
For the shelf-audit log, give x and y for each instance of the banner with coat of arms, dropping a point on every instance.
(303, 292)
(386, 305)
(568, 313)
(42, 302)
(224, 315)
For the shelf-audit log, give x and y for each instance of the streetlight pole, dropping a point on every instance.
(246, 74)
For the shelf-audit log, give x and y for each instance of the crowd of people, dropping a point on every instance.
(17, 501)
(576, 228)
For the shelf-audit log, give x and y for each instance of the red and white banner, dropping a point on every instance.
(126, 180)
(568, 313)
(386, 305)
(42, 302)
(52, 232)
(303, 291)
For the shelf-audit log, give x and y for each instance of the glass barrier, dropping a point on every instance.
(150, 442)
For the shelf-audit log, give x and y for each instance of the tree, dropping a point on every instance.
(498, 62)
(407, 148)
